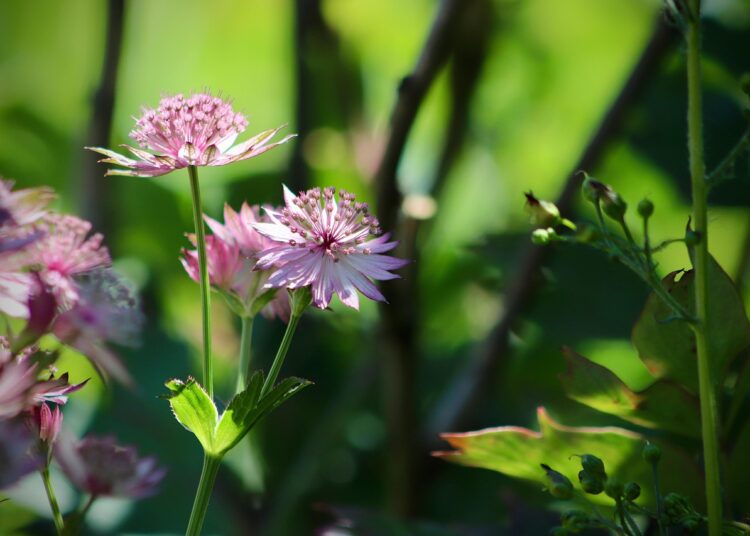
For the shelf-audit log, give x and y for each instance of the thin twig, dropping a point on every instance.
(453, 410)
(96, 198)
(400, 316)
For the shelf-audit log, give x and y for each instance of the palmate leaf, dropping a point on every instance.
(195, 410)
(663, 405)
(668, 348)
(244, 411)
(517, 452)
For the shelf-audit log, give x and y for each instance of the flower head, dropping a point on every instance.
(97, 465)
(107, 310)
(22, 207)
(198, 130)
(232, 252)
(330, 245)
(66, 250)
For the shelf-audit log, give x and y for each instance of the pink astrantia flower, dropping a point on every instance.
(66, 250)
(106, 311)
(22, 207)
(195, 131)
(327, 245)
(47, 421)
(232, 252)
(97, 465)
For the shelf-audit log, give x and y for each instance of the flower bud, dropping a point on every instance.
(542, 213)
(614, 488)
(613, 205)
(560, 487)
(540, 237)
(592, 464)
(632, 491)
(651, 453)
(50, 422)
(591, 483)
(645, 208)
(592, 188)
(692, 238)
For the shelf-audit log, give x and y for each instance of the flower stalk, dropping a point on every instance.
(56, 514)
(278, 361)
(707, 387)
(203, 495)
(246, 337)
(200, 236)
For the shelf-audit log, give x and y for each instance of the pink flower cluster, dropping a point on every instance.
(199, 130)
(53, 276)
(314, 240)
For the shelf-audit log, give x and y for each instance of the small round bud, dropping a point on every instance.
(560, 487)
(651, 453)
(591, 484)
(613, 205)
(592, 464)
(540, 237)
(632, 491)
(614, 488)
(692, 238)
(542, 213)
(591, 189)
(645, 208)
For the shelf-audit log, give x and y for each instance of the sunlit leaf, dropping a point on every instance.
(245, 410)
(517, 452)
(663, 405)
(193, 409)
(668, 348)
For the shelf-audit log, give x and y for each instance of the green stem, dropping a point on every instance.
(707, 387)
(203, 495)
(200, 237)
(245, 353)
(631, 522)
(657, 493)
(281, 354)
(56, 514)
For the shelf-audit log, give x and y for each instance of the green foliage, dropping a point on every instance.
(517, 452)
(193, 408)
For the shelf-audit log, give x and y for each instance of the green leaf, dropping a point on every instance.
(193, 409)
(663, 405)
(245, 410)
(668, 348)
(517, 452)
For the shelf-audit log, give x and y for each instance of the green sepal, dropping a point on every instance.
(193, 409)
(245, 409)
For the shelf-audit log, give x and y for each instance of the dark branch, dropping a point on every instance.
(453, 411)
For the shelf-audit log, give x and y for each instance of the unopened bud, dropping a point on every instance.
(540, 237)
(614, 488)
(632, 491)
(592, 464)
(645, 208)
(692, 238)
(613, 205)
(651, 453)
(542, 213)
(591, 188)
(591, 483)
(560, 487)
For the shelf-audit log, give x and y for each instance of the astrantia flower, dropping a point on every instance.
(22, 207)
(97, 465)
(106, 311)
(232, 252)
(328, 245)
(195, 131)
(66, 250)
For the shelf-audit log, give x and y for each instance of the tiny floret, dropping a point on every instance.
(198, 130)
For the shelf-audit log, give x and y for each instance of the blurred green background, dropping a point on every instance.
(527, 84)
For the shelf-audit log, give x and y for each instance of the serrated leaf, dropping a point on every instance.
(517, 452)
(668, 349)
(245, 410)
(663, 405)
(193, 409)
